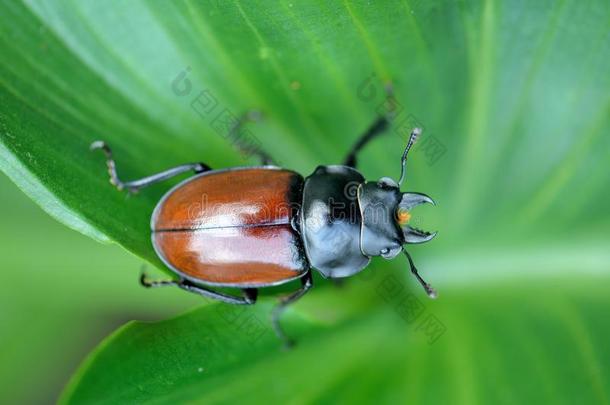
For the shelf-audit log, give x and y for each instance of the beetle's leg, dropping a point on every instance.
(156, 283)
(307, 282)
(146, 282)
(135, 185)
(427, 287)
(377, 128)
(246, 146)
(249, 297)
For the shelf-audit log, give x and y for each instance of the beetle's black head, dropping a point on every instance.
(387, 218)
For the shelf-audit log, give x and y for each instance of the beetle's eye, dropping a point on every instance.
(402, 216)
(390, 252)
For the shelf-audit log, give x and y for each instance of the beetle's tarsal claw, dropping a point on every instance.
(431, 291)
(101, 145)
(97, 145)
(144, 281)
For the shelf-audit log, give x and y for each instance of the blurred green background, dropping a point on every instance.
(61, 293)
(514, 94)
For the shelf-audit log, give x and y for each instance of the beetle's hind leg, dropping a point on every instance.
(135, 185)
(307, 283)
(249, 297)
(245, 141)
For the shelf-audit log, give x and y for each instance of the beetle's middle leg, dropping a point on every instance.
(245, 146)
(307, 283)
(135, 185)
(248, 298)
(378, 127)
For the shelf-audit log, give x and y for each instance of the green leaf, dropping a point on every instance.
(514, 101)
(500, 344)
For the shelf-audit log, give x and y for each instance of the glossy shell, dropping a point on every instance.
(331, 221)
(232, 227)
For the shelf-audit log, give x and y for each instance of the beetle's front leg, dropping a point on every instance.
(378, 127)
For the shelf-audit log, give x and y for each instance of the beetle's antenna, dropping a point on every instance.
(429, 290)
(403, 162)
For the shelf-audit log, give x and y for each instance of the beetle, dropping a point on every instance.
(262, 226)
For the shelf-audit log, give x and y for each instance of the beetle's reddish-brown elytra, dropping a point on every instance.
(232, 228)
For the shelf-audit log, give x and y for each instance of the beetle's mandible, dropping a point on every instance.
(255, 227)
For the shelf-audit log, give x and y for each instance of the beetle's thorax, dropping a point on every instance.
(344, 220)
(331, 219)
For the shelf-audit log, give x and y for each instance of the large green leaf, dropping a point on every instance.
(501, 344)
(514, 93)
